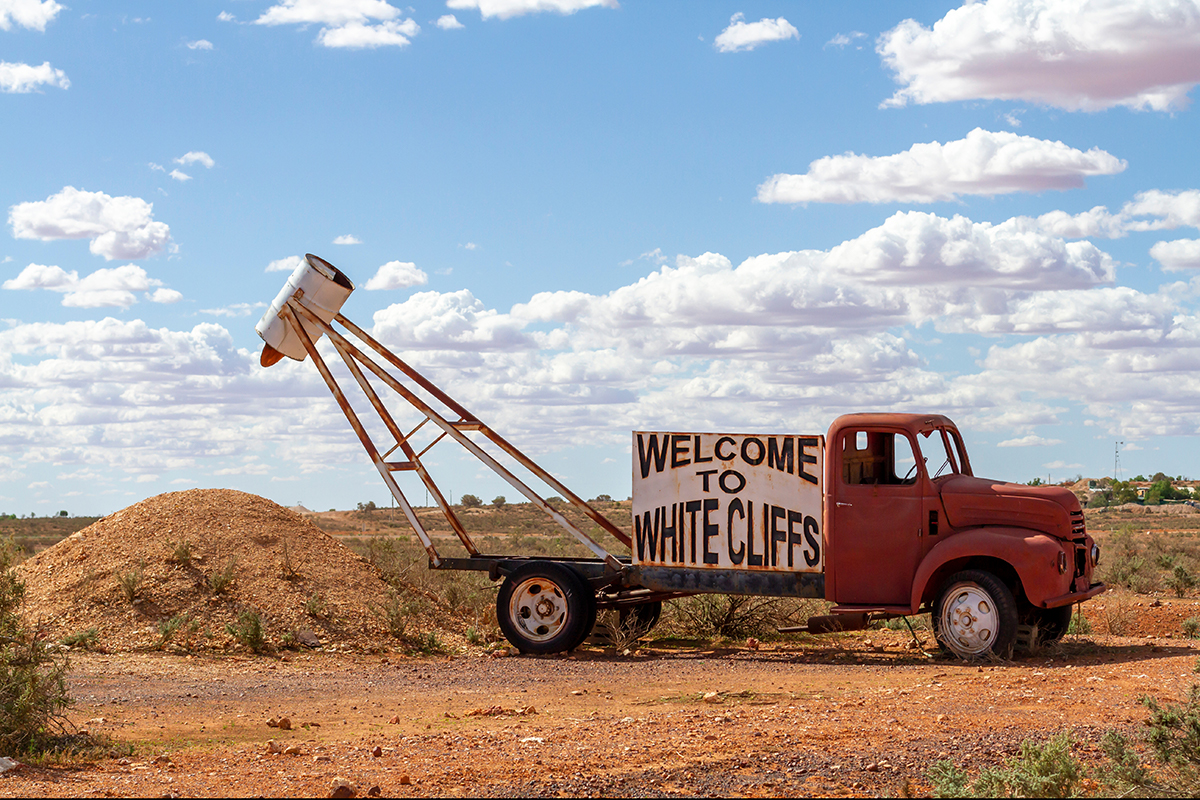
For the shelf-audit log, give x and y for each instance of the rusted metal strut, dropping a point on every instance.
(300, 316)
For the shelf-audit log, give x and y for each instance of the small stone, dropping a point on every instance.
(272, 723)
(578, 692)
(284, 724)
(872, 767)
(374, 791)
(376, 751)
(405, 780)
(940, 718)
(9, 764)
(293, 750)
(395, 720)
(752, 643)
(274, 748)
(321, 758)
(309, 639)
(340, 787)
(712, 697)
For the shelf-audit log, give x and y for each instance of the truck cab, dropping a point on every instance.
(909, 528)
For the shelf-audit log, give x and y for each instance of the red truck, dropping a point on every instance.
(882, 515)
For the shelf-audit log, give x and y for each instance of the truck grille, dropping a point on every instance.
(1078, 528)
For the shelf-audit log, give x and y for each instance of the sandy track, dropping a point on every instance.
(837, 717)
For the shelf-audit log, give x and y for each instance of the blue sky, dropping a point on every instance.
(584, 218)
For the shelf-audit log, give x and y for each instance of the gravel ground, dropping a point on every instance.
(849, 715)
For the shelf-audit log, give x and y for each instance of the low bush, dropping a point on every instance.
(220, 581)
(249, 630)
(131, 582)
(1040, 770)
(84, 639)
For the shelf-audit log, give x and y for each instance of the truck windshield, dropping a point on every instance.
(942, 447)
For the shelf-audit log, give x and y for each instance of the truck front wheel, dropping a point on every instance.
(543, 607)
(975, 615)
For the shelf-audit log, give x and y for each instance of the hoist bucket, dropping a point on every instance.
(322, 288)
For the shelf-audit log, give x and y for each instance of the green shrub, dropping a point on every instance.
(85, 639)
(1191, 627)
(167, 628)
(1047, 770)
(314, 606)
(1181, 581)
(131, 582)
(220, 581)
(1079, 625)
(470, 501)
(33, 689)
(498, 501)
(181, 552)
(249, 630)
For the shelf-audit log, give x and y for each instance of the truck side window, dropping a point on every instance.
(877, 458)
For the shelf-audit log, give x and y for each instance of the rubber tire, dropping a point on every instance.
(646, 615)
(589, 624)
(1001, 599)
(578, 599)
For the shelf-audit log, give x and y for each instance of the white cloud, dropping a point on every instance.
(1169, 209)
(18, 78)
(287, 264)
(1031, 440)
(179, 176)
(504, 9)
(355, 35)
(454, 320)
(235, 310)
(348, 23)
(119, 227)
(164, 296)
(196, 157)
(347, 239)
(33, 14)
(741, 35)
(200, 44)
(225, 16)
(983, 163)
(470, 246)
(1177, 256)
(396, 275)
(102, 288)
(843, 39)
(1063, 53)
(448, 22)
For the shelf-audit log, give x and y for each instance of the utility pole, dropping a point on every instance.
(1117, 461)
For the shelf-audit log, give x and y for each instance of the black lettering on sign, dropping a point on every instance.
(647, 534)
(739, 555)
(777, 533)
(762, 451)
(679, 450)
(794, 537)
(807, 458)
(652, 451)
(670, 533)
(727, 477)
(753, 559)
(780, 457)
(696, 448)
(813, 535)
(705, 474)
(692, 507)
(724, 440)
(710, 530)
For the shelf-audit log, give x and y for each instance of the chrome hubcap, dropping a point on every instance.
(539, 608)
(969, 620)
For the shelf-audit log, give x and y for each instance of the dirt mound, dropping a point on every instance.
(298, 578)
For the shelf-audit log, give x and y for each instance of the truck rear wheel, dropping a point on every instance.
(1052, 623)
(975, 616)
(545, 607)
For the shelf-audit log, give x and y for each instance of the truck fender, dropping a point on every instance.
(1031, 555)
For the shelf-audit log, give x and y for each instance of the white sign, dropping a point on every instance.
(728, 501)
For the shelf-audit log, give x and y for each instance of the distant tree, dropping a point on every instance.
(1099, 500)
(62, 513)
(1158, 476)
(471, 501)
(601, 498)
(498, 501)
(1123, 492)
(1035, 482)
(1139, 478)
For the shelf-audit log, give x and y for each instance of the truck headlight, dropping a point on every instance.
(1095, 555)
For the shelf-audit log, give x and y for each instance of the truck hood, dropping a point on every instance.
(973, 502)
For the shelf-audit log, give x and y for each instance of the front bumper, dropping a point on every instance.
(1075, 597)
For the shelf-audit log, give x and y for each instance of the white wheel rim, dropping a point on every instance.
(969, 620)
(538, 608)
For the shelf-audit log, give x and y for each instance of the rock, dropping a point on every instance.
(940, 717)
(309, 639)
(293, 750)
(285, 724)
(712, 697)
(376, 751)
(272, 723)
(8, 765)
(374, 791)
(752, 643)
(395, 720)
(872, 767)
(405, 780)
(274, 748)
(321, 758)
(340, 787)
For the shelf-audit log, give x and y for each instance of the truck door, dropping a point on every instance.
(876, 534)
